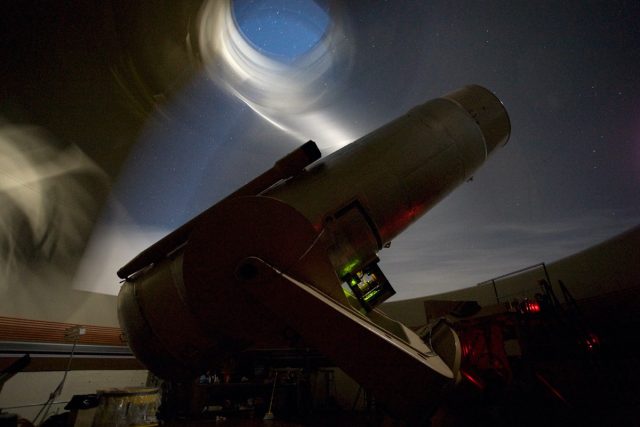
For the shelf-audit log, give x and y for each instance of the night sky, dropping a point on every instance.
(567, 73)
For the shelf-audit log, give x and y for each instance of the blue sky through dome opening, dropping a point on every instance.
(282, 29)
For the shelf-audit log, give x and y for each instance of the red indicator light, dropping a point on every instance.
(473, 380)
(591, 341)
(530, 307)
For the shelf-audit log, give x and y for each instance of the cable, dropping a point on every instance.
(58, 390)
(315, 241)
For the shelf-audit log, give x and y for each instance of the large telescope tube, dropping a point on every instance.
(203, 292)
(401, 170)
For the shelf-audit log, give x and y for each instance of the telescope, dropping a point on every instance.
(297, 249)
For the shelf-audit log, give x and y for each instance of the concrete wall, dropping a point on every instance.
(57, 302)
(610, 266)
(29, 296)
(29, 388)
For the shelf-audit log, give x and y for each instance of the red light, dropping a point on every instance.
(554, 391)
(592, 341)
(473, 380)
(530, 307)
(466, 349)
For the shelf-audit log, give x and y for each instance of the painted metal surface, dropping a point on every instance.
(191, 305)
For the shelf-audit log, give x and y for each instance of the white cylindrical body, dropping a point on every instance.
(196, 303)
(398, 172)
